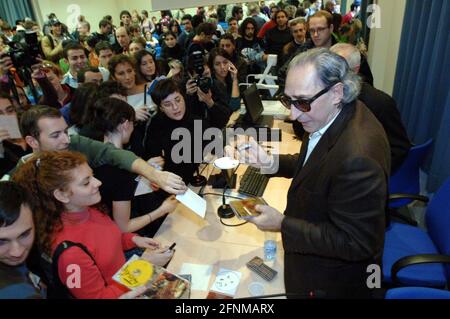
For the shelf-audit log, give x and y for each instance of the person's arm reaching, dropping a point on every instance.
(99, 154)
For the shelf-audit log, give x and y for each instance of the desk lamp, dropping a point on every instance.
(228, 166)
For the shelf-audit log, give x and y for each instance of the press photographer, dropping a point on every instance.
(16, 63)
(205, 100)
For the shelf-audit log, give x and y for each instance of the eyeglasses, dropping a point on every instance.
(303, 105)
(318, 30)
(171, 105)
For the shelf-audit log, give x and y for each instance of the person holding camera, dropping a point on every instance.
(49, 76)
(175, 115)
(52, 43)
(225, 77)
(207, 102)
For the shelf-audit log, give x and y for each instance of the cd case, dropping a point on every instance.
(245, 208)
(160, 283)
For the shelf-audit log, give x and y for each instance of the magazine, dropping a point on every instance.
(160, 283)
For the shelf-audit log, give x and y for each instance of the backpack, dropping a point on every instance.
(49, 266)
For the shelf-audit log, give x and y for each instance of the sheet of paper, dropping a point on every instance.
(193, 202)
(10, 124)
(227, 281)
(143, 186)
(200, 275)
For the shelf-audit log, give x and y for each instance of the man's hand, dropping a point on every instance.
(169, 182)
(248, 152)
(270, 218)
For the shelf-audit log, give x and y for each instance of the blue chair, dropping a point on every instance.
(417, 293)
(414, 257)
(406, 179)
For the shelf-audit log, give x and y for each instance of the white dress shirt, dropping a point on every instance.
(315, 137)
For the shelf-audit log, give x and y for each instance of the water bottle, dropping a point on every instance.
(270, 246)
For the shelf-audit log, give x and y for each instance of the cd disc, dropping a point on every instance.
(136, 273)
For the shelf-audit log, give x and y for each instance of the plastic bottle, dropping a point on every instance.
(270, 246)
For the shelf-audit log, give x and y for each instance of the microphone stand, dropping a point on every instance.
(225, 211)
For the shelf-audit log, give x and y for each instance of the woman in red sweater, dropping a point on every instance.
(64, 189)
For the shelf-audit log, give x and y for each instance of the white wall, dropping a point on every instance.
(68, 10)
(384, 44)
(94, 10)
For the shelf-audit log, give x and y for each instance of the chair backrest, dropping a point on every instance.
(417, 293)
(406, 179)
(438, 220)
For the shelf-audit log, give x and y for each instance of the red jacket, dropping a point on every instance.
(106, 243)
(267, 26)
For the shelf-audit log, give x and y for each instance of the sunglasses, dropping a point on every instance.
(303, 105)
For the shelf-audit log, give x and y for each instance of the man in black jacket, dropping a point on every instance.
(382, 106)
(334, 222)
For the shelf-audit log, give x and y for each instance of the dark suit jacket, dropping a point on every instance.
(385, 110)
(335, 214)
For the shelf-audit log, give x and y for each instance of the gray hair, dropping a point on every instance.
(331, 68)
(349, 52)
(296, 21)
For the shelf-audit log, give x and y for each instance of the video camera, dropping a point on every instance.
(204, 83)
(24, 53)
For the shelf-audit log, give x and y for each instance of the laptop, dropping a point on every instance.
(254, 108)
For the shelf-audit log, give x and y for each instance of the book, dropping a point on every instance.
(245, 208)
(160, 283)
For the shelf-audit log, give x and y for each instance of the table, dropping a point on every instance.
(208, 242)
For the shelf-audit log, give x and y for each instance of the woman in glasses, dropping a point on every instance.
(175, 115)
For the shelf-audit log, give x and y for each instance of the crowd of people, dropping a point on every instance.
(96, 107)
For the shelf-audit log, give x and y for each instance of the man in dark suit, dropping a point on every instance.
(333, 225)
(382, 106)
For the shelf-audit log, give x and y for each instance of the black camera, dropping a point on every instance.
(204, 83)
(24, 53)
